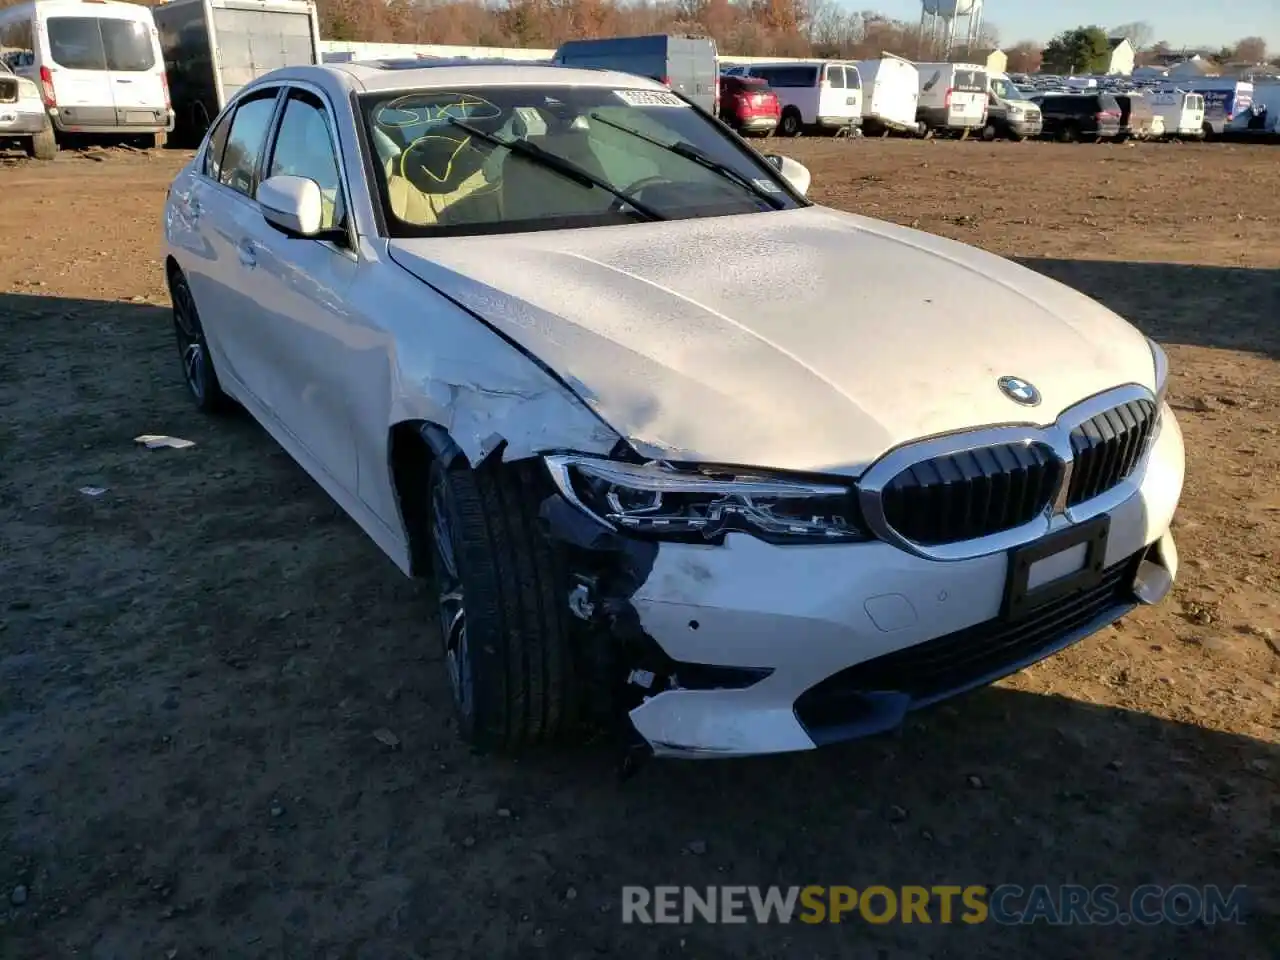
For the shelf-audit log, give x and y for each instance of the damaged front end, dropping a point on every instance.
(612, 517)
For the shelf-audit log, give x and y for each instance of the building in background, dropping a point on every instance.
(1122, 57)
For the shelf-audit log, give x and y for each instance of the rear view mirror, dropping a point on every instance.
(793, 171)
(293, 205)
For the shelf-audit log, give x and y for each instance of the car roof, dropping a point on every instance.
(428, 73)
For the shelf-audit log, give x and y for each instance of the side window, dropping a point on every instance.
(217, 145)
(835, 77)
(245, 140)
(305, 148)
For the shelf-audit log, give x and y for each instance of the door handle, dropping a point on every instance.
(248, 255)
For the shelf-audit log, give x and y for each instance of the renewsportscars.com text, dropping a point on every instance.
(1055, 905)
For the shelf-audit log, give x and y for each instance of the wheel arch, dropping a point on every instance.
(412, 447)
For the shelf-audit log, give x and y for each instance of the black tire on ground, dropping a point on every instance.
(989, 132)
(790, 124)
(193, 349)
(1016, 137)
(1068, 133)
(924, 131)
(44, 145)
(510, 661)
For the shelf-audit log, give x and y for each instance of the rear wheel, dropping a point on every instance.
(44, 145)
(989, 132)
(193, 349)
(1068, 133)
(924, 131)
(790, 123)
(502, 594)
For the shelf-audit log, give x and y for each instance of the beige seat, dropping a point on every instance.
(531, 191)
(441, 184)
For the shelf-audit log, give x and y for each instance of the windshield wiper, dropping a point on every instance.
(682, 148)
(552, 161)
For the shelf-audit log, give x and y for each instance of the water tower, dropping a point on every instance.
(949, 26)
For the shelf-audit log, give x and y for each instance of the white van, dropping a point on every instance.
(97, 63)
(814, 95)
(890, 95)
(953, 97)
(1181, 111)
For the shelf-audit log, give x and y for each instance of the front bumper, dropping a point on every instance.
(16, 123)
(810, 615)
(1028, 129)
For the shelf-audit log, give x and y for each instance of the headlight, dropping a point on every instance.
(701, 505)
(1162, 371)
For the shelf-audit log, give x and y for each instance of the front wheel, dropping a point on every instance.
(502, 594)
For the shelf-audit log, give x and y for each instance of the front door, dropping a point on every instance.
(306, 334)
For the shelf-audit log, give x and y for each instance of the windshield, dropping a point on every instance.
(435, 176)
(1007, 90)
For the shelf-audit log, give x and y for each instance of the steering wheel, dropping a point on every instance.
(632, 189)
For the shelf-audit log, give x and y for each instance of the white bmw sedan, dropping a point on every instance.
(678, 449)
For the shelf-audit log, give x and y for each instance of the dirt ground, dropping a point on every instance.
(199, 666)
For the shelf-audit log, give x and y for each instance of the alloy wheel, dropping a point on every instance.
(452, 603)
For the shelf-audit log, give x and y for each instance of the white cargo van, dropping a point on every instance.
(97, 63)
(890, 95)
(953, 97)
(1181, 111)
(814, 95)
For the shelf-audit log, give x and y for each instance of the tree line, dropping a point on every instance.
(784, 28)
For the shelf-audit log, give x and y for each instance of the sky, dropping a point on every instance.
(1189, 23)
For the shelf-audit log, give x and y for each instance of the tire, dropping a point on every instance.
(44, 145)
(1068, 133)
(502, 591)
(1016, 137)
(193, 350)
(925, 132)
(790, 123)
(989, 132)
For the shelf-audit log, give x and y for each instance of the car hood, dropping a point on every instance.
(805, 340)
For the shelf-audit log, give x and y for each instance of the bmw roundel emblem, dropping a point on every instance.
(1019, 391)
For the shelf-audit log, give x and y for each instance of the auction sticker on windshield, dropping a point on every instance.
(649, 98)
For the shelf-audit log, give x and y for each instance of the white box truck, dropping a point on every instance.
(212, 48)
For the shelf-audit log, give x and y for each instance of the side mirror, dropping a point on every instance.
(793, 171)
(293, 205)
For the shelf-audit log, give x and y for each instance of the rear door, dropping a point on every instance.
(77, 65)
(968, 99)
(136, 70)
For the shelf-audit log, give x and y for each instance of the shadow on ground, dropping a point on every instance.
(225, 731)
(1230, 308)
